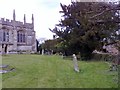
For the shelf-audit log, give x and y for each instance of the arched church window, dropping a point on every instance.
(21, 37)
(5, 36)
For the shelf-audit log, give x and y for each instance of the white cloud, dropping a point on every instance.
(46, 13)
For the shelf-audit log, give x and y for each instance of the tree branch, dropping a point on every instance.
(99, 13)
(104, 12)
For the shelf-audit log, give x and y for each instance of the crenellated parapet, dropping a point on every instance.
(9, 22)
(4, 21)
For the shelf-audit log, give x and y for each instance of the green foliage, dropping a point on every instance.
(104, 57)
(85, 25)
(51, 45)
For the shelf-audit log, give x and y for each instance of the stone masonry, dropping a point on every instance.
(16, 36)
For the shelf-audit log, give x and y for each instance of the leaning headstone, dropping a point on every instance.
(62, 56)
(76, 68)
(42, 51)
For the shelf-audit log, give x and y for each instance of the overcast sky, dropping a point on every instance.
(46, 13)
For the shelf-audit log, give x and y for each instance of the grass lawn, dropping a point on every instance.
(37, 71)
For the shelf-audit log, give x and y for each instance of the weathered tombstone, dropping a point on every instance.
(42, 51)
(3, 66)
(62, 56)
(5, 69)
(76, 68)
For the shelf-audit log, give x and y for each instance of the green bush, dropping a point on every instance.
(104, 57)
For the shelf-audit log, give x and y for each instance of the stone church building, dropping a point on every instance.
(16, 36)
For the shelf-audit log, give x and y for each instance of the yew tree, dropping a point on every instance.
(84, 26)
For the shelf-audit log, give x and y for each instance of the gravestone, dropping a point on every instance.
(62, 56)
(3, 66)
(42, 51)
(5, 69)
(76, 68)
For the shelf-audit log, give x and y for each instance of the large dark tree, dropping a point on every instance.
(84, 26)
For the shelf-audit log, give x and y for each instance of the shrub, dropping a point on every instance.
(104, 57)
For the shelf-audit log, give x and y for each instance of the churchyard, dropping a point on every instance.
(45, 71)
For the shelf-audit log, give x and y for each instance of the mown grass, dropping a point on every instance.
(37, 71)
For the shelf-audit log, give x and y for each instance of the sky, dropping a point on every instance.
(46, 13)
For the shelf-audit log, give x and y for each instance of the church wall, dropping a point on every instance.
(10, 48)
(13, 27)
(25, 48)
(11, 36)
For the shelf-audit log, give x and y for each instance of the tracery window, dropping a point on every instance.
(5, 36)
(20, 37)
